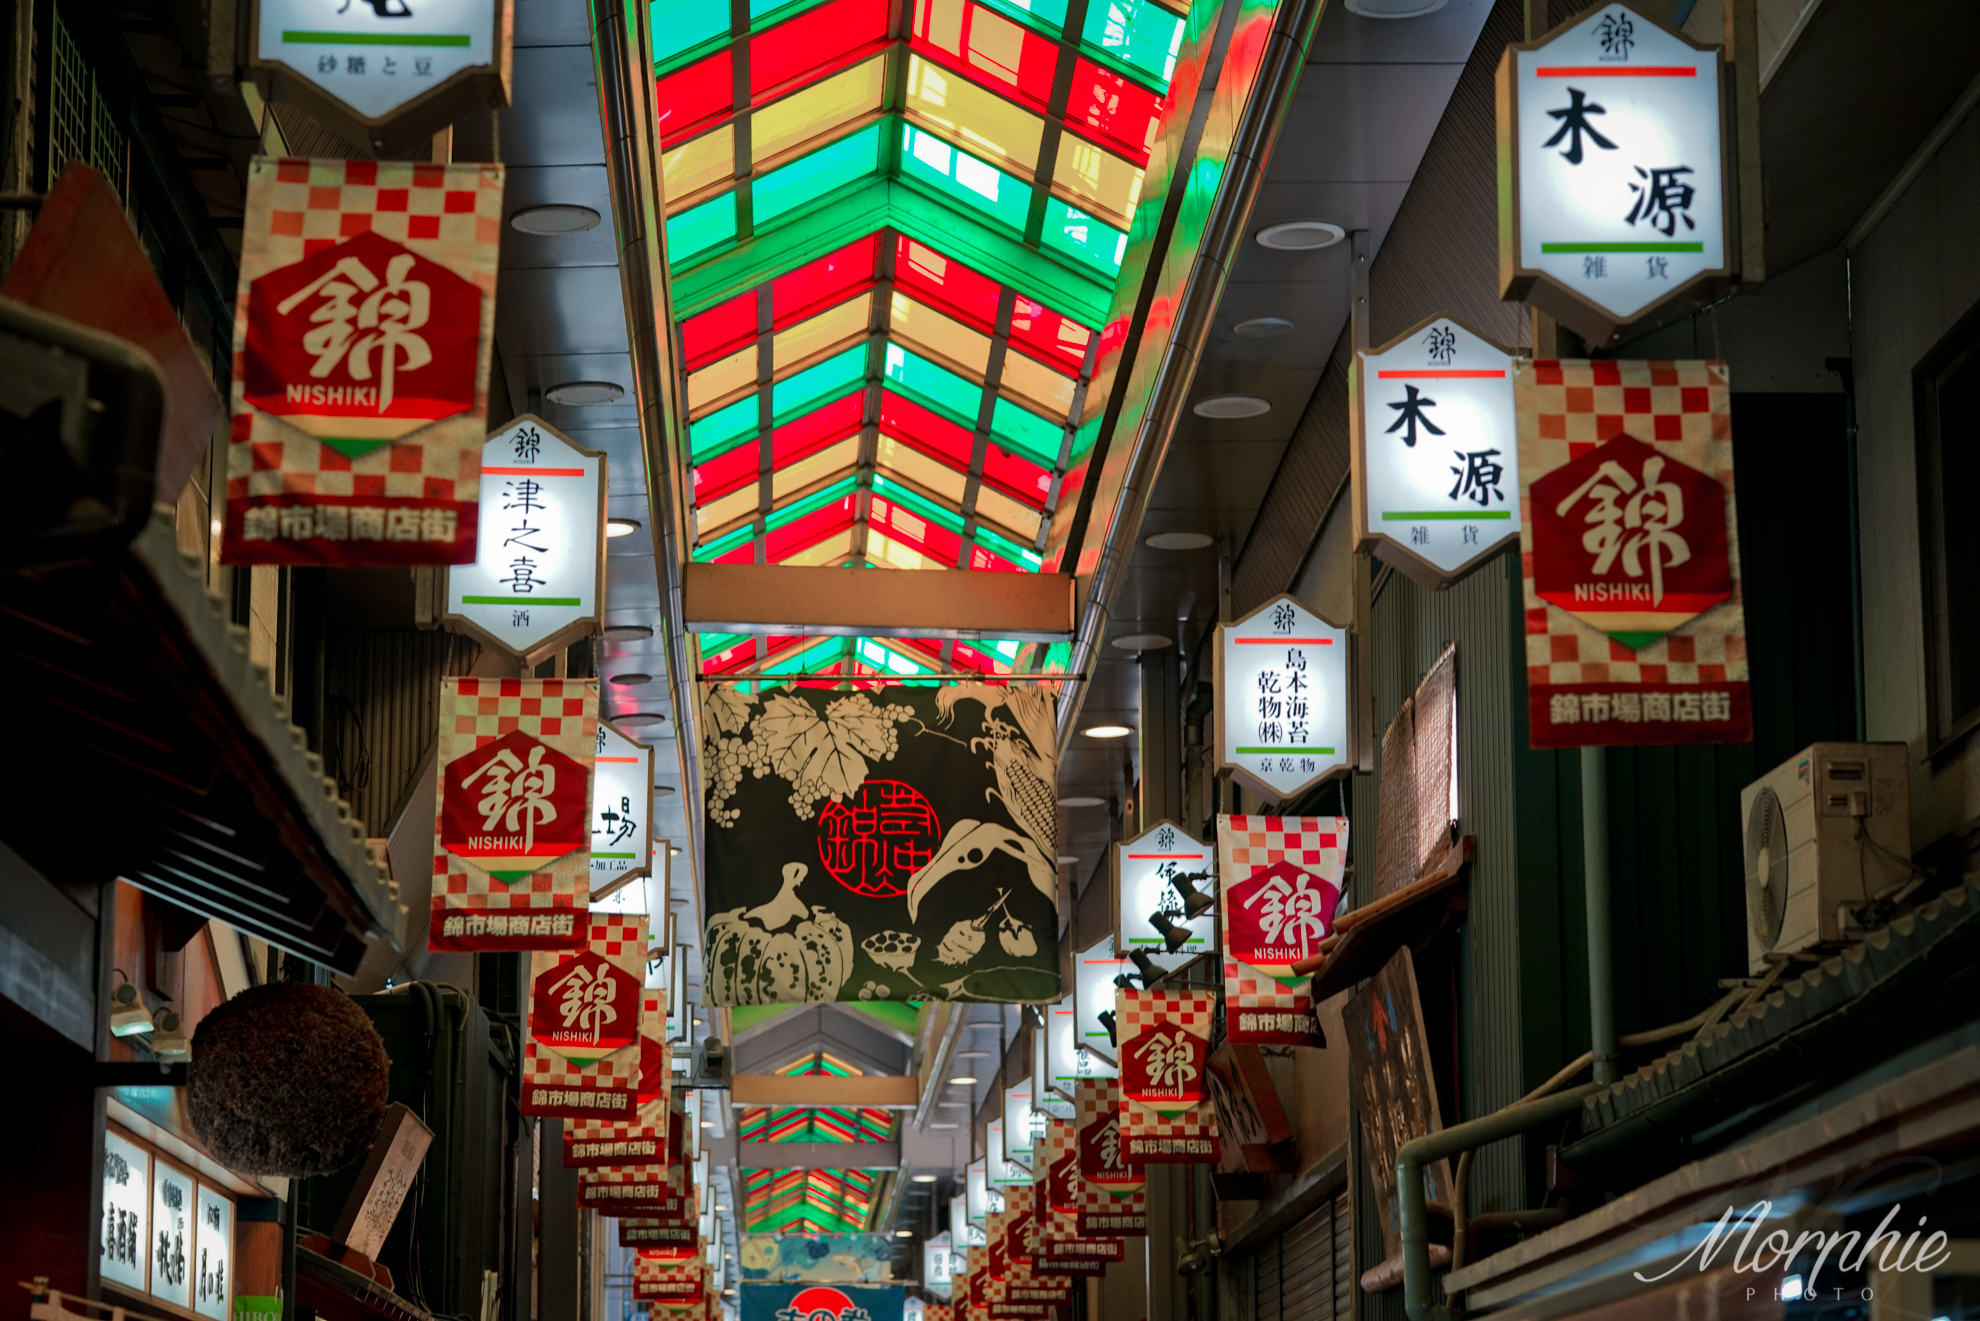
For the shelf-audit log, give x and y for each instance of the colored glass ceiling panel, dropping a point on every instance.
(938, 386)
(796, 394)
(681, 25)
(990, 47)
(1114, 108)
(702, 91)
(721, 329)
(805, 1124)
(816, 334)
(796, 293)
(957, 176)
(947, 284)
(817, 110)
(974, 116)
(700, 228)
(808, 178)
(1139, 33)
(698, 163)
(813, 40)
(1084, 238)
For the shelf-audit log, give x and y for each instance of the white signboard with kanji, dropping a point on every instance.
(1052, 1095)
(1283, 711)
(1093, 995)
(1612, 141)
(1435, 453)
(1023, 1127)
(538, 578)
(621, 810)
(1144, 865)
(385, 70)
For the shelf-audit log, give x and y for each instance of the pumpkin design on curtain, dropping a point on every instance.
(892, 843)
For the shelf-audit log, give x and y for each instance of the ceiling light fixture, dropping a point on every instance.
(1107, 731)
(1394, 8)
(1301, 235)
(924, 1178)
(1263, 327)
(1180, 540)
(1232, 406)
(620, 527)
(627, 632)
(904, 1233)
(662, 790)
(1082, 800)
(641, 717)
(128, 1016)
(1067, 859)
(631, 677)
(674, 853)
(1143, 642)
(561, 218)
(944, 1126)
(578, 394)
(963, 1080)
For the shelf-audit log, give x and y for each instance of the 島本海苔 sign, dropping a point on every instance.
(1436, 457)
(537, 581)
(1611, 141)
(385, 72)
(1144, 866)
(1283, 716)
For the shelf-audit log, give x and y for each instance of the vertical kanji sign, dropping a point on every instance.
(621, 810)
(513, 816)
(1283, 713)
(1612, 146)
(1635, 631)
(538, 577)
(1435, 463)
(1144, 867)
(363, 327)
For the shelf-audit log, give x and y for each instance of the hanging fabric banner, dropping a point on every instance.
(821, 1302)
(1113, 1201)
(1635, 631)
(1282, 879)
(637, 1232)
(665, 1281)
(892, 843)
(363, 327)
(1166, 1117)
(581, 1050)
(1059, 1248)
(513, 813)
(663, 1193)
(642, 1140)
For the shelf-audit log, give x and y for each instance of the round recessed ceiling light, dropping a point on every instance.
(1082, 800)
(632, 678)
(1232, 406)
(662, 790)
(627, 632)
(1143, 642)
(673, 853)
(924, 1178)
(944, 1126)
(1180, 540)
(641, 717)
(1263, 327)
(579, 393)
(963, 1080)
(621, 527)
(1107, 731)
(559, 219)
(1394, 8)
(1301, 235)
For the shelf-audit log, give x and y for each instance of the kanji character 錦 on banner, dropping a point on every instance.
(1281, 878)
(581, 1049)
(642, 1139)
(1635, 632)
(363, 328)
(1166, 1115)
(513, 814)
(1113, 1190)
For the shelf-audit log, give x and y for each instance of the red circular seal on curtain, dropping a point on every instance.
(874, 841)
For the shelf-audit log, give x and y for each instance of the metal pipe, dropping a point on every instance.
(1410, 1161)
(1595, 885)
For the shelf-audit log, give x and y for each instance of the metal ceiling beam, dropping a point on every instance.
(811, 1089)
(818, 1155)
(745, 598)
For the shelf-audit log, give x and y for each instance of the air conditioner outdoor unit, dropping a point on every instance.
(1812, 829)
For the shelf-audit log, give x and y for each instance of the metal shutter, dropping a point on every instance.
(1306, 1272)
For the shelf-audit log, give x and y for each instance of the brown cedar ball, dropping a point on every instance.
(287, 1079)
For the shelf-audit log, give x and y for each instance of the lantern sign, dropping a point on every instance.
(1056, 1058)
(621, 810)
(938, 1264)
(383, 72)
(1144, 866)
(1436, 460)
(1093, 995)
(1611, 140)
(538, 578)
(1022, 1124)
(1283, 714)
(1004, 1168)
(980, 1198)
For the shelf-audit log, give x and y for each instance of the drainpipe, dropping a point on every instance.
(1415, 1155)
(1595, 886)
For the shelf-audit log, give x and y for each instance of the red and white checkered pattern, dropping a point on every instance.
(605, 1142)
(1258, 1007)
(938, 1312)
(669, 1281)
(474, 713)
(604, 1087)
(448, 214)
(661, 1191)
(1565, 408)
(1186, 1137)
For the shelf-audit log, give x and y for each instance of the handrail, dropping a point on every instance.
(1509, 1122)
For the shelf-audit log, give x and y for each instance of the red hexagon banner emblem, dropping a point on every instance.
(585, 1005)
(515, 805)
(1635, 632)
(581, 1057)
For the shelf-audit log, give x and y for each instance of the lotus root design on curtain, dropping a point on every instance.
(892, 843)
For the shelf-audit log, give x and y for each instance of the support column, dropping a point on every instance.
(1168, 1226)
(1595, 884)
(558, 1262)
(1161, 738)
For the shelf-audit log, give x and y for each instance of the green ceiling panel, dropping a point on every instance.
(712, 434)
(700, 228)
(1138, 34)
(681, 25)
(1031, 433)
(1092, 242)
(935, 385)
(961, 177)
(796, 394)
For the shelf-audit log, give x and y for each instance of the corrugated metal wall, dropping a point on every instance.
(1307, 1272)
(381, 703)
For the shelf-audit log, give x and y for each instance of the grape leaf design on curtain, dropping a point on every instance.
(894, 843)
